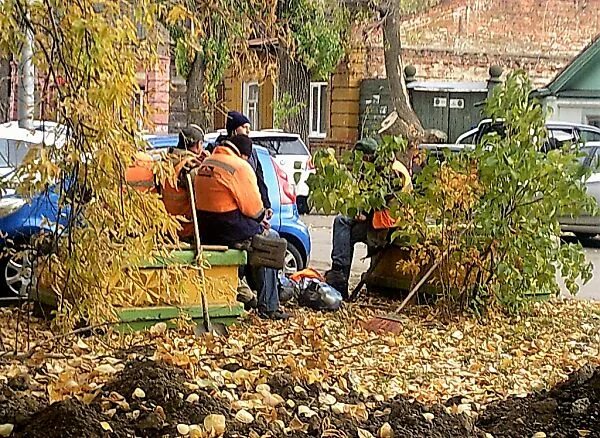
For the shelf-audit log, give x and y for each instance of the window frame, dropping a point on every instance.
(321, 112)
(254, 120)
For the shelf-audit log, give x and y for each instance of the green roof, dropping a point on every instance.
(580, 78)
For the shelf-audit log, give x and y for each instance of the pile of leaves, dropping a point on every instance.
(316, 375)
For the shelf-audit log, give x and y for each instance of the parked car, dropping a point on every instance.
(286, 220)
(21, 219)
(290, 153)
(587, 226)
(559, 133)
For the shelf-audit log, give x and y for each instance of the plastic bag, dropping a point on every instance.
(319, 295)
(288, 289)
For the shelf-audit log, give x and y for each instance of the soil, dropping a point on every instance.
(71, 419)
(571, 409)
(164, 405)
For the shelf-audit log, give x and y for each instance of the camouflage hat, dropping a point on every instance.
(366, 145)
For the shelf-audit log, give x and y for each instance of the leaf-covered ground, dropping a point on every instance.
(316, 375)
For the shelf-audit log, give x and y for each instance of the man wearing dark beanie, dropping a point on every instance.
(237, 123)
(231, 212)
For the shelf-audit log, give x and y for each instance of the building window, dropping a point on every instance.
(138, 107)
(318, 109)
(250, 99)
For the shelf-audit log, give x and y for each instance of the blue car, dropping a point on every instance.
(286, 220)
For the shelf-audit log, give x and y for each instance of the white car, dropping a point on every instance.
(15, 142)
(290, 153)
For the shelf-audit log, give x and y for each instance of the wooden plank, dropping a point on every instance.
(161, 313)
(188, 257)
(345, 107)
(345, 93)
(344, 134)
(266, 109)
(344, 120)
(340, 80)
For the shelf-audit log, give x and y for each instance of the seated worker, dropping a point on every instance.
(348, 231)
(231, 212)
(185, 157)
(238, 124)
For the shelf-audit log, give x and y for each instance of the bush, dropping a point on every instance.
(490, 215)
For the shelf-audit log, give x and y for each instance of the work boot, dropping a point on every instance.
(276, 315)
(246, 295)
(337, 279)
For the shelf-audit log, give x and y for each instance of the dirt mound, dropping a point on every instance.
(568, 410)
(164, 404)
(71, 419)
(571, 409)
(15, 406)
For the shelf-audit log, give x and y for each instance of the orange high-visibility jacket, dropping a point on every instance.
(176, 197)
(225, 182)
(383, 219)
(140, 175)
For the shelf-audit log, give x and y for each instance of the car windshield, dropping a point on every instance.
(283, 145)
(12, 152)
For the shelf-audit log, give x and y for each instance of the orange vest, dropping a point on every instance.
(177, 201)
(225, 182)
(140, 175)
(383, 219)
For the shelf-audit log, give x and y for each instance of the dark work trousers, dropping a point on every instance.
(264, 281)
(347, 232)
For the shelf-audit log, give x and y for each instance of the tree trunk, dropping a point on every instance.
(408, 124)
(5, 89)
(196, 111)
(294, 80)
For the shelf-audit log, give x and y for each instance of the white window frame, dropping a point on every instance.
(139, 107)
(247, 104)
(322, 88)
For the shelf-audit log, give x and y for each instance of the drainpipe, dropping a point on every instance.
(26, 73)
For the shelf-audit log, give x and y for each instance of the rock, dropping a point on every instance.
(152, 421)
(581, 406)
(547, 406)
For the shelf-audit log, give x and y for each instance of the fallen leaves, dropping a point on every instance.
(429, 361)
(6, 429)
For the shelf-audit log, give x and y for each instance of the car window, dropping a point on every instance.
(12, 152)
(282, 146)
(270, 145)
(563, 136)
(589, 135)
(291, 146)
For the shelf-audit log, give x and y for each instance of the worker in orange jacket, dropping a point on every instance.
(348, 231)
(231, 212)
(185, 158)
(140, 175)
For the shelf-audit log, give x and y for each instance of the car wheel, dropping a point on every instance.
(15, 267)
(302, 204)
(293, 260)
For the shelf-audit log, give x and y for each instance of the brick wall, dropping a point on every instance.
(460, 39)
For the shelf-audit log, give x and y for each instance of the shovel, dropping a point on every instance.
(218, 329)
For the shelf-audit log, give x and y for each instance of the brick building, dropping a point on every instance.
(458, 40)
